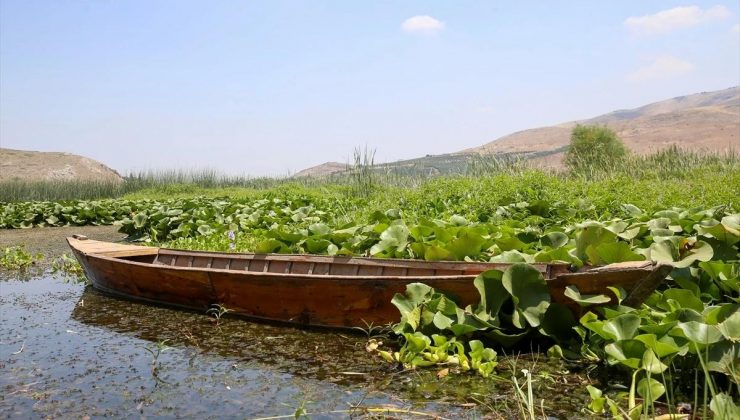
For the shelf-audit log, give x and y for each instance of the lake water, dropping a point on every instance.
(68, 351)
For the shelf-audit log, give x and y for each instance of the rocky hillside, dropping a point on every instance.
(39, 166)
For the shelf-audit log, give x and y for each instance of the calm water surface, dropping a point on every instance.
(69, 351)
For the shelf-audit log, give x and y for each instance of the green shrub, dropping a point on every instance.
(593, 148)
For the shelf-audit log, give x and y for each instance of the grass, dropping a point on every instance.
(669, 177)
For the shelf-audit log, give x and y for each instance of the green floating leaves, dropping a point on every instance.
(529, 292)
(585, 300)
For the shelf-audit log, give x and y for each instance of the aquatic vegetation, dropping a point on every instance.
(156, 349)
(217, 311)
(69, 267)
(682, 344)
(16, 257)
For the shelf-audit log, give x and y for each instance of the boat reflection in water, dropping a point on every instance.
(317, 354)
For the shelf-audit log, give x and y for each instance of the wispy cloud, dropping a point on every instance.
(735, 29)
(661, 68)
(422, 24)
(672, 19)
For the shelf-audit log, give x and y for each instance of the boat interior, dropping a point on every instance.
(295, 263)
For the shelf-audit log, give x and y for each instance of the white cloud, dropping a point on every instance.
(422, 24)
(677, 18)
(735, 29)
(661, 68)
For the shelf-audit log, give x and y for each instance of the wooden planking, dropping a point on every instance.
(300, 267)
(469, 267)
(358, 293)
(89, 246)
(239, 265)
(221, 263)
(164, 259)
(201, 262)
(257, 265)
(343, 269)
(369, 270)
(279, 267)
(182, 261)
(321, 268)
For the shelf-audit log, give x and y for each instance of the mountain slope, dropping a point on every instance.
(707, 121)
(24, 165)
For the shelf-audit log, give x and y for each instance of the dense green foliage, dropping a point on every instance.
(594, 146)
(686, 216)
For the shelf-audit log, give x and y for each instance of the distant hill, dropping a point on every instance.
(27, 165)
(707, 121)
(324, 169)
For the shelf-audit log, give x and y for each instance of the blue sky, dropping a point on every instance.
(269, 87)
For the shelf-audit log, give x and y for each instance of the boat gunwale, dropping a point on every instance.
(361, 277)
(374, 261)
(545, 268)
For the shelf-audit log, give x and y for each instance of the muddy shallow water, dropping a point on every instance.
(68, 351)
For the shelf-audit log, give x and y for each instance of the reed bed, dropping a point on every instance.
(364, 177)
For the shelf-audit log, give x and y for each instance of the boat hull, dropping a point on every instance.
(343, 300)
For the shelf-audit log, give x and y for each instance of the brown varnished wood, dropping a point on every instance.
(318, 290)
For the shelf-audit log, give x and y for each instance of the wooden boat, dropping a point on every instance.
(321, 291)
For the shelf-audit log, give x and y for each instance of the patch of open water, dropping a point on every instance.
(69, 351)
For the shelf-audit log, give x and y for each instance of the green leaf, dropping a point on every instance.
(205, 230)
(558, 322)
(555, 240)
(664, 251)
(467, 244)
(140, 220)
(723, 357)
(660, 348)
(529, 292)
(512, 257)
(585, 300)
(626, 352)
(592, 234)
(317, 246)
(613, 252)
(492, 292)
(457, 220)
(684, 298)
(651, 363)
(700, 333)
(724, 407)
(503, 338)
(269, 246)
(418, 292)
(394, 238)
(435, 253)
(726, 231)
(730, 327)
(622, 327)
(650, 389)
(319, 229)
(441, 321)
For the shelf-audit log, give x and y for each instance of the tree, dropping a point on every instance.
(594, 147)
